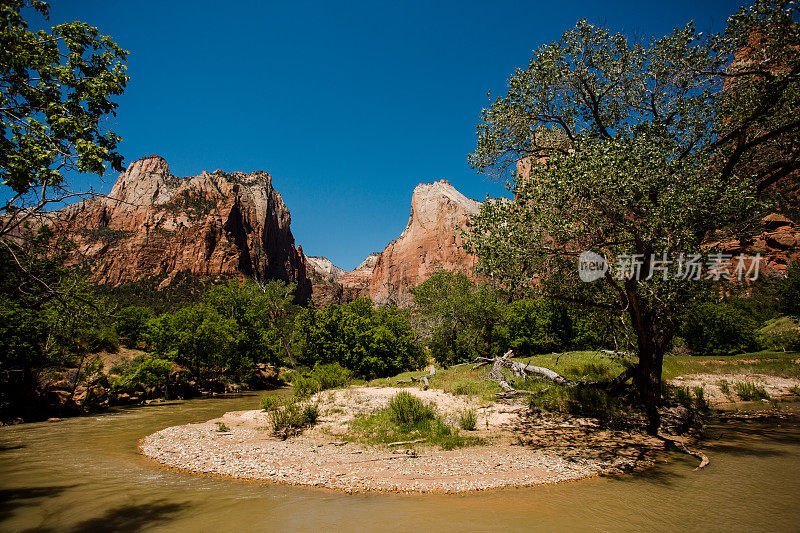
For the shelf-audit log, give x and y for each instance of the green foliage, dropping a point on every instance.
(222, 427)
(780, 334)
(369, 342)
(331, 376)
(580, 401)
(145, 371)
(198, 338)
(749, 391)
(700, 401)
(382, 428)
(305, 386)
(131, 324)
(263, 314)
(632, 148)
(468, 419)
(405, 408)
(789, 291)
(458, 318)
(55, 95)
(292, 417)
(713, 328)
(49, 318)
(270, 403)
(725, 388)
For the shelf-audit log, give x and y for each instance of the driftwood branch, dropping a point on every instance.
(681, 447)
(523, 370)
(420, 379)
(402, 442)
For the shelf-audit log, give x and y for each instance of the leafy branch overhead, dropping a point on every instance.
(56, 87)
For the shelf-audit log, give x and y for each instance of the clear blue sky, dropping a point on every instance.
(348, 105)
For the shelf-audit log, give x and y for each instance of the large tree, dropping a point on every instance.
(56, 89)
(635, 151)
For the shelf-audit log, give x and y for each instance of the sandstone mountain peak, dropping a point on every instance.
(431, 241)
(153, 224)
(325, 268)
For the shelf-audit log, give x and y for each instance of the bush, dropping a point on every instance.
(305, 386)
(468, 419)
(331, 376)
(719, 329)
(270, 403)
(144, 371)
(293, 417)
(749, 391)
(221, 427)
(367, 341)
(407, 409)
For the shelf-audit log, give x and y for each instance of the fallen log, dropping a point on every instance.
(402, 442)
(421, 379)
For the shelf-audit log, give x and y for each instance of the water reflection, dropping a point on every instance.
(84, 474)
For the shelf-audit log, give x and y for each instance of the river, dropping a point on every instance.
(85, 474)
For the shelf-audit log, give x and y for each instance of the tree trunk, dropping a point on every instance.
(648, 385)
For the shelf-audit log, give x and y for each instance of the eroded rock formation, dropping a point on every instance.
(431, 241)
(155, 224)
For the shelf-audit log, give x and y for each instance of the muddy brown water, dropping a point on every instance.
(85, 474)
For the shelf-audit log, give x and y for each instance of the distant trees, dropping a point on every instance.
(369, 341)
(459, 320)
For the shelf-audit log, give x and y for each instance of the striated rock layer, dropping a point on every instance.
(431, 241)
(155, 224)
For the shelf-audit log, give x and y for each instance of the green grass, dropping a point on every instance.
(749, 391)
(462, 380)
(380, 428)
(468, 419)
(765, 362)
(725, 387)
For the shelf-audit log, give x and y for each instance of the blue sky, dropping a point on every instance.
(348, 105)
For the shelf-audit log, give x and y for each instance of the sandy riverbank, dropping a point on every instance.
(524, 448)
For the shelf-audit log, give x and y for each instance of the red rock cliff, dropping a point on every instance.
(431, 241)
(154, 224)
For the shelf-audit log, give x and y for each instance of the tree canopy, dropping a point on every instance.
(637, 150)
(56, 87)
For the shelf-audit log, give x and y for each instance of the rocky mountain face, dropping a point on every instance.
(431, 241)
(359, 277)
(155, 224)
(324, 268)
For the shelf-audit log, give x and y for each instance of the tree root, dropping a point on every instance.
(681, 447)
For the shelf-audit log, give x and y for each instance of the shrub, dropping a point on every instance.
(221, 427)
(305, 386)
(725, 388)
(293, 417)
(270, 403)
(407, 409)
(468, 419)
(331, 376)
(749, 391)
(719, 329)
(367, 341)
